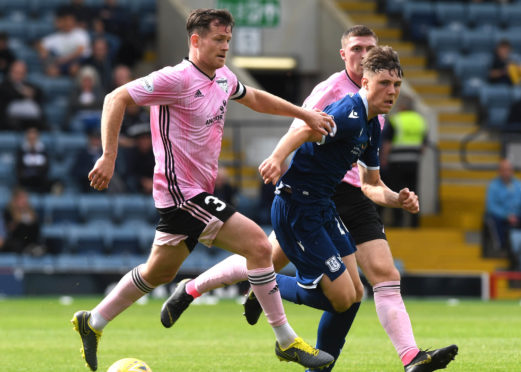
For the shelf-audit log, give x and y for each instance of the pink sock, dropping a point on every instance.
(190, 289)
(395, 320)
(229, 271)
(129, 289)
(267, 292)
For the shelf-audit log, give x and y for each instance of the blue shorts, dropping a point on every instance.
(312, 236)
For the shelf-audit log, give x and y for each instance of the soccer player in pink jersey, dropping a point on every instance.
(359, 215)
(188, 108)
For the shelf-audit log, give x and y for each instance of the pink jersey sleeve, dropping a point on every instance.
(160, 87)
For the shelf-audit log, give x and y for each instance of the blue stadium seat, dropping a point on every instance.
(54, 238)
(394, 7)
(495, 100)
(37, 29)
(451, 13)
(479, 14)
(481, 40)
(472, 72)
(420, 17)
(68, 144)
(10, 141)
(9, 260)
(61, 209)
(445, 39)
(8, 6)
(129, 207)
(513, 35)
(7, 169)
(86, 239)
(41, 6)
(123, 239)
(510, 15)
(13, 28)
(96, 207)
(56, 113)
(72, 262)
(5, 196)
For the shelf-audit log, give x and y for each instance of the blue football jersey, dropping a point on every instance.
(316, 169)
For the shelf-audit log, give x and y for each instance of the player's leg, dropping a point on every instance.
(161, 267)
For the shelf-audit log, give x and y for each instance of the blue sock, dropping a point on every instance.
(332, 332)
(291, 291)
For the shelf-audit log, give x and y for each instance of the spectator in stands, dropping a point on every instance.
(83, 13)
(98, 32)
(23, 227)
(20, 101)
(503, 205)
(85, 160)
(32, 163)
(402, 145)
(135, 115)
(505, 69)
(140, 160)
(101, 61)
(63, 51)
(7, 56)
(118, 21)
(86, 101)
(120, 76)
(224, 189)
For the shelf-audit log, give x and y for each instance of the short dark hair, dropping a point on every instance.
(382, 58)
(359, 30)
(200, 20)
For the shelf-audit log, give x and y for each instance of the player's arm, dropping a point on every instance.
(261, 101)
(375, 189)
(271, 168)
(114, 108)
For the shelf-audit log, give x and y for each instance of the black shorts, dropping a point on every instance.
(197, 219)
(358, 213)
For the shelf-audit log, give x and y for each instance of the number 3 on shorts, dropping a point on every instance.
(219, 205)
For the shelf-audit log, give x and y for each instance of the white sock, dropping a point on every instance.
(285, 335)
(96, 321)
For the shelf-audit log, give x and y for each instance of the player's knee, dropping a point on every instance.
(158, 277)
(260, 252)
(384, 273)
(359, 292)
(343, 302)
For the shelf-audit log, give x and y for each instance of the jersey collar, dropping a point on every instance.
(198, 69)
(363, 95)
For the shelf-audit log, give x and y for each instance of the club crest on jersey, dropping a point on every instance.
(148, 83)
(333, 264)
(223, 83)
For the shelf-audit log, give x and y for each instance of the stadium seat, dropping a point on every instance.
(86, 239)
(41, 6)
(96, 207)
(479, 14)
(481, 40)
(450, 13)
(513, 35)
(510, 15)
(61, 209)
(394, 7)
(122, 239)
(420, 17)
(8, 6)
(9, 141)
(68, 144)
(495, 101)
(37, 29)
(13, 28)
(53, 237)
(129, 207)
(446, 39)
(7, 169)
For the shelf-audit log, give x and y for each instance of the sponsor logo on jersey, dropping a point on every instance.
(333, 264)
(148, 83)
(223, 83)
(353, 114)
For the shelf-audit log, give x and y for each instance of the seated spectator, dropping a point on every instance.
(113, 42)
(83, 13)
(86, 101)
(20, 101)
(505, 69)
(23, 227)
(85, 160)
(120, 76)
(63, 51)
(101, 61)
(6, 54)
(134, 115)
(140, 160)
(32, 163)
(503, 206)
(224, 189)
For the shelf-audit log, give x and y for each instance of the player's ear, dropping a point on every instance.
(365, 82)
(194, 40)
(342, 54)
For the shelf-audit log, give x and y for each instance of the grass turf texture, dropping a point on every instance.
(37, 336)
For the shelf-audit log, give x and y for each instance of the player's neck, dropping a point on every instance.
(201, 66)
(355, 79)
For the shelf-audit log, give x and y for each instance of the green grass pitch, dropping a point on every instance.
(36, 335)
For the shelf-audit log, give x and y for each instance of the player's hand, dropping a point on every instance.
(409, 200)
(270, 170)
(321, 122)
(101, 173)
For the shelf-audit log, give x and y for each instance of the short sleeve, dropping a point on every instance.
(158, 88)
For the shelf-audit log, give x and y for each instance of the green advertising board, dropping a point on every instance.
(253, 13)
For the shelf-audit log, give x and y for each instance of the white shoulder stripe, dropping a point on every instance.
(239, 92)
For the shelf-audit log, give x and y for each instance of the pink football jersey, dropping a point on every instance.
(187, 114)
